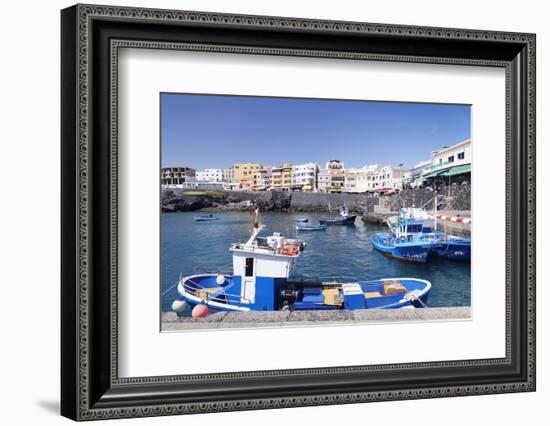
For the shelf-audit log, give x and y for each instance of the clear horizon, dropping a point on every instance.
(216, 131)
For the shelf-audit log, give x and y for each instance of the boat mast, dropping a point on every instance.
(435, 213)
(256, 227)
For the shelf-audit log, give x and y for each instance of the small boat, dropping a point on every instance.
(408, 249)
(344, 218)
(310, 227)
(206, 218)
(261, 268)
(302, 219)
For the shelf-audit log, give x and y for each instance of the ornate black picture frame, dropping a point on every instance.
(91, 36)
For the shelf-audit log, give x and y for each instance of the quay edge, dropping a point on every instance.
(170, 321)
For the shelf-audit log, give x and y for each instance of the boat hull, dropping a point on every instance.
(459, 249)
(348, 220)
(305, 227)
(408, 251)
(204, 289)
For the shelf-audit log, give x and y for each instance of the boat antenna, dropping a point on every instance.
(435, 213)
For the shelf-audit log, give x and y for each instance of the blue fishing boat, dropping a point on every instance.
(343, 218)
(302, 219)
(408, 249)
(417, 224)
(206, 218)
(261, 268)
(449, 247)
(310, 227)
(418, 215)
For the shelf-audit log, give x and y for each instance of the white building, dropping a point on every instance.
(210, 175)
(323, 180)
(304, 176)
(360, 180)
(454, 155)
(374, 178)
(332, 177)
(228, 175)
(391, 178)
(448, 162)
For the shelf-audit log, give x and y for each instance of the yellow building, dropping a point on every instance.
(245, 171)
(244, 174)
(281, 177)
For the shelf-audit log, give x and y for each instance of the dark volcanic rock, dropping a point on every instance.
(451, 197)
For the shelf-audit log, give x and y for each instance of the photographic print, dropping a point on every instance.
(292, 211)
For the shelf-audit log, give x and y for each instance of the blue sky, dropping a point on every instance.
(213, 131)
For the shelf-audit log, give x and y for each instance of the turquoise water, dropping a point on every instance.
(342, 253)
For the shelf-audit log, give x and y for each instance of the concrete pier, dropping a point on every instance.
(380, 215)
(274, 319)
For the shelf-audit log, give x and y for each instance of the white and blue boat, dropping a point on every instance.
(310, 227)
(343, 218)
(419, 215)
(410, 248)
(261, 268)
(417, 224)
(206, 218)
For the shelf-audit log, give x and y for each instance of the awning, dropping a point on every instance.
(457, 170)
(434, 174)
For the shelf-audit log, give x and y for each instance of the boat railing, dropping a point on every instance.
(206, 269)
(198, 290)
(253, 248)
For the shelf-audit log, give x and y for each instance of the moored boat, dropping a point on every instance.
(417, 225)
(260, 282)
(302, 219)
(409, 249)
(310, 227)
(206, 218)
(454, 248)
(343, 218)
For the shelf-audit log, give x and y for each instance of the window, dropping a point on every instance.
(451, 158)
(461, 156)
(249, 267)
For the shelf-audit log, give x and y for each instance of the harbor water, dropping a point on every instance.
(339, 253)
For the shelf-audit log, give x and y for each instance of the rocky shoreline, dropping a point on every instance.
(184, 201)
(456, 197)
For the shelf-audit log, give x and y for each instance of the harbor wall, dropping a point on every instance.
(453, 197)
(170, 321)
(303, 201)
(181, 200)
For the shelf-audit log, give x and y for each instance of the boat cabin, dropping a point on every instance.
(261, 267)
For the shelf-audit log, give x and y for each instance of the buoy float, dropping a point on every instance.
(220, 279)
(179, 305)
(200, 311)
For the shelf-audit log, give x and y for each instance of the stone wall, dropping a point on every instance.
(453, 197)
(181, 200)
(303, 201)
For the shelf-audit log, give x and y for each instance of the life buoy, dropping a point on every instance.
(290, 250)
